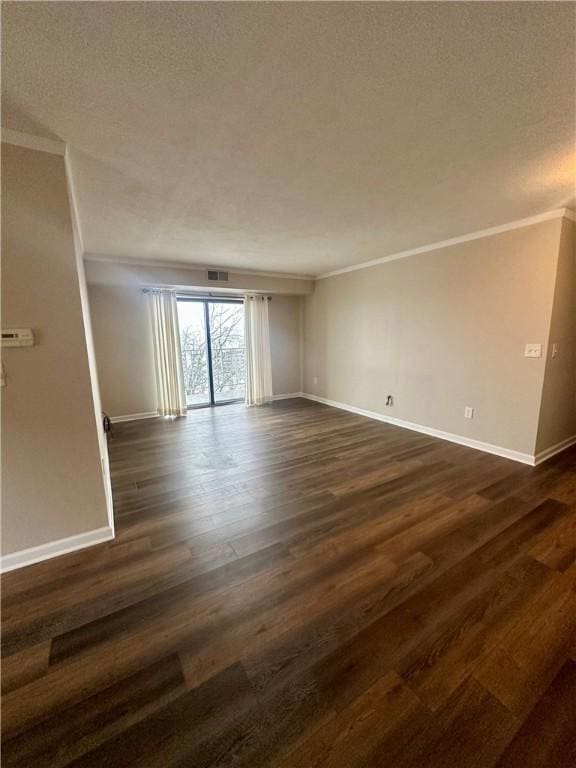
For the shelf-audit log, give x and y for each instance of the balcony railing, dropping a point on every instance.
(228, 368)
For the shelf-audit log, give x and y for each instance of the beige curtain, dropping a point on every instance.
(167, 356)
(258, 360)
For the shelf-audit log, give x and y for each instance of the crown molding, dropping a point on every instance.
(33, 142)
(518, 224)
(158, 264)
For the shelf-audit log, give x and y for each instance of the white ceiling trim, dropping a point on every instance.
(556, 214)
(33, 142)
(186, 265)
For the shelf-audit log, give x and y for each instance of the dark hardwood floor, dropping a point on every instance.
(296, 586)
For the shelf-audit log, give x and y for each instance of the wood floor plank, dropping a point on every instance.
(443, 661)
(48, 576)
(349, 738)
(296, 586)
(556, 547)
(260, 629)
(525, 660)
(82, 600)
(23, 667)
(180, 728)
(548, 736)
(472, 729)
(72, 733)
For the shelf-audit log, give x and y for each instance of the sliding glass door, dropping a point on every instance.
(193, 343)
(226, 333)
(212, 341)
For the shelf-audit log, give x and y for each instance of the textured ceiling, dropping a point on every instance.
(298, 137)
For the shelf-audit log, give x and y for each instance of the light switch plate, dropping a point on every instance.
(533, 350)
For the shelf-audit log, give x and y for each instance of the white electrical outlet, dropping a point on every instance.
(533, 350)
(315, 379)
(468, 412)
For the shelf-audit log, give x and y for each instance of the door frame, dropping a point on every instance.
(206, 300)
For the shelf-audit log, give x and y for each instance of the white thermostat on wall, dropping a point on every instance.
(17, 337)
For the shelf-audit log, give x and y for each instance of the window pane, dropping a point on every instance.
(194, 352)
(227, 337)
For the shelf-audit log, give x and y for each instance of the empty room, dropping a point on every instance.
(288, 384)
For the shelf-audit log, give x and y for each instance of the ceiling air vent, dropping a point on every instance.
(220, 277)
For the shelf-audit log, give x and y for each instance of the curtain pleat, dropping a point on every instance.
(258, 359)
(167, 355)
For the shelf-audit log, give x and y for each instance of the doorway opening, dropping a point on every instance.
(213, 353)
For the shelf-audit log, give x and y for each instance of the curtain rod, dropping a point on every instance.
(206, 295)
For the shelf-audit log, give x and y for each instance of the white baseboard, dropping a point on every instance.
(524, 458)
(134, 417)
(55, 548)
(547, 453)
(290, 396)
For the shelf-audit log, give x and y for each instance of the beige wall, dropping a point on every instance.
(117, 273)
(558, 409)
(52, 478)
(284, 318)
(123, 344)
(441, 331)
(124, 354)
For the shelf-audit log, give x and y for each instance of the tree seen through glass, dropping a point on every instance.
(227, 342)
